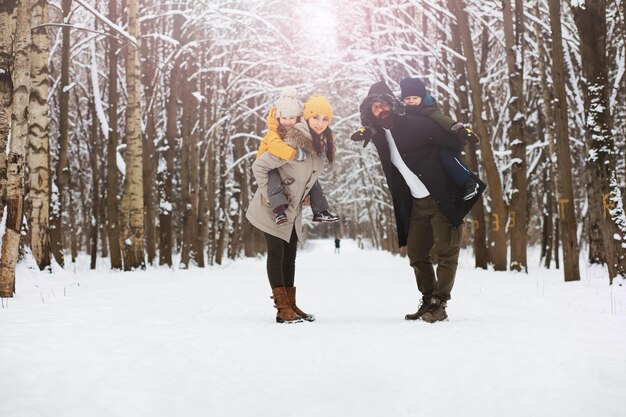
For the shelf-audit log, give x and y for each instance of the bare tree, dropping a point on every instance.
(564, 164)
(605, 196)
(113, 138)
(6, 89)
(518, 224)
(132, 231)
(62, 170)
(478, 227)
(20, 74)
(38, 155)
(497, 233)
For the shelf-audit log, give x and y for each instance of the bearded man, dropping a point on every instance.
(428, 204)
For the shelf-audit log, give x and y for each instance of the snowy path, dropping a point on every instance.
(204, 343)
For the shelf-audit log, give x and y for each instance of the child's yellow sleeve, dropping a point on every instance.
(273, 142)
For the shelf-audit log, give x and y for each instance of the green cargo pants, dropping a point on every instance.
(433, 240)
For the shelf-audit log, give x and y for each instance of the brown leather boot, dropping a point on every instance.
(281, 302)
(421, 309)
(291, 293)
(436, 312)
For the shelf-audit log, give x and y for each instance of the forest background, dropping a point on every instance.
(130, 127)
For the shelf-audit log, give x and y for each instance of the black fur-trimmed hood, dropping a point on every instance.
(299, 136)
(379, 92)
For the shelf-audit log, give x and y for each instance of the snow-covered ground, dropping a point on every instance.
(204, 342)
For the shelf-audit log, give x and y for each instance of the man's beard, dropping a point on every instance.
(385, 119)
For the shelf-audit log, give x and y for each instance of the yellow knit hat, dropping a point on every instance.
(317, 105)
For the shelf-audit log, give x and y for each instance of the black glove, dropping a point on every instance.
(465, 133)
(362, 134)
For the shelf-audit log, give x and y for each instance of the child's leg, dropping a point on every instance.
(275, 192)
(318, 199)
(453, 167)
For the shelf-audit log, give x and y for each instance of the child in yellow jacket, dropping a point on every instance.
(285, 113)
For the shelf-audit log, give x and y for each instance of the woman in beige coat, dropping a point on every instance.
(315, 137)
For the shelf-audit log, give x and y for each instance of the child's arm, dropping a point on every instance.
(426, 131)
(441, 119)
(278, 147)
(451, 125)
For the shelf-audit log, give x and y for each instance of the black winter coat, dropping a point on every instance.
(419, 140)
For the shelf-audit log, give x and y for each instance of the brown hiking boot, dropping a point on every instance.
(291, 293)
(421, 309)
(281, 302)
(436, 311)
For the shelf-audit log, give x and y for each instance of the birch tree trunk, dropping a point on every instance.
(497, 234)
(20, 74)
(62, 169)
(113, 138)
(132, 195)
(38, 155)
(590, 18)
(6, 90)
(565, 192)
(518, 223)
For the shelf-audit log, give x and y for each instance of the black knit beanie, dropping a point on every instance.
(412, 87)
(379, 88)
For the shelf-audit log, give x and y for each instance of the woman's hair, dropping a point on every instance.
(325, 141)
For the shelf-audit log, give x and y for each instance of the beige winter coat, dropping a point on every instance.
(298, 178)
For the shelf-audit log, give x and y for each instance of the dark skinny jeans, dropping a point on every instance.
(281, 260)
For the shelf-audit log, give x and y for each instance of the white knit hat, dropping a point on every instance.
(287, 104)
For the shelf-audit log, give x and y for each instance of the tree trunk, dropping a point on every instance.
(481, 255)
(497, 234)
(20, 73)
(223, 218)
(201, 218)
(112, 227)
(564, 161)
(149, 152)
(6, 90)
(62, 169)
(165, 177)
(95, 186)
(590, 18)
(189, 171)
(202, 208)
(212, 200)
(518, 223)
(132, 196)
(547, 122)
(38, 155)
(547, 236)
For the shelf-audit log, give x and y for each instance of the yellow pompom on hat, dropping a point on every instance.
(317, 105)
